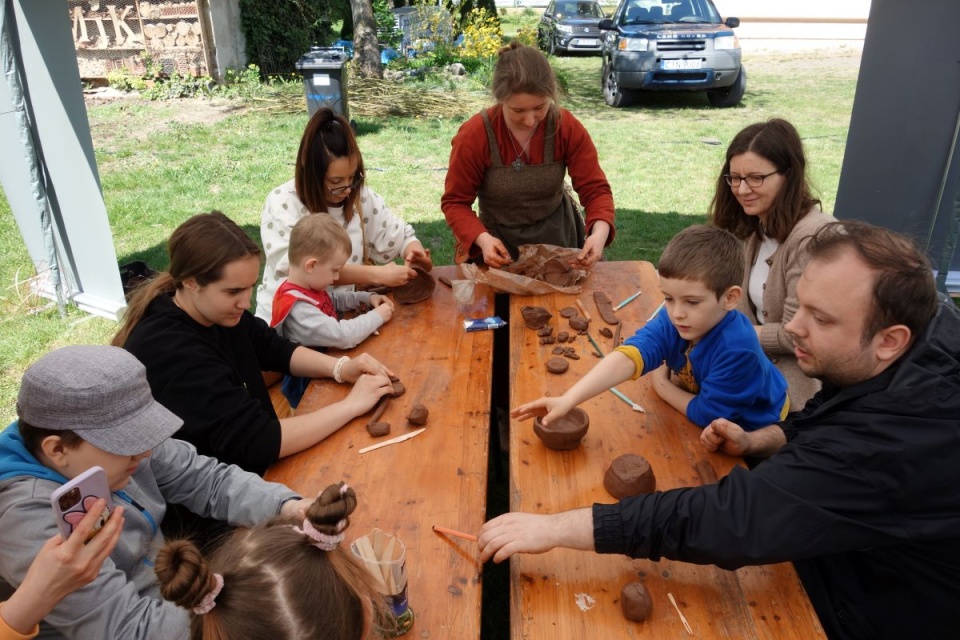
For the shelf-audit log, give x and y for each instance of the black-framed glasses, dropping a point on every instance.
(753, 181)
(354, 184)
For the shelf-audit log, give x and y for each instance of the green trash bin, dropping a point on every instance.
(325, 79)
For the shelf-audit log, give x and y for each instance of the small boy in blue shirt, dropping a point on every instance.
(704, 354)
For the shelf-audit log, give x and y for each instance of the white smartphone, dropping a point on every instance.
(72, 501)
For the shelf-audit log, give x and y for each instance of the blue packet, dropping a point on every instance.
(482, 324)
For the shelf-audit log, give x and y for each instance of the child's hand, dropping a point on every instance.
(385, 309)
(417, 256)
(549, 409)
(395, 275)
(366, 391)
(363, 363)
(376, 300)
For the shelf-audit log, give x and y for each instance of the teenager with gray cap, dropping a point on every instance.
(91, 405)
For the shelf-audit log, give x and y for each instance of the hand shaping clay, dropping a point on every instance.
(418, 415)
(629, 475)
(377, 429)
(398, 389)
(568, 312)
(563, 433)
(557, 365)
(605, 307)
(535, 317)
(635, 602)
(417, 290)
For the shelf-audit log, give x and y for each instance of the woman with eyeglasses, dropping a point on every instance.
(329, 179)
(763, 197)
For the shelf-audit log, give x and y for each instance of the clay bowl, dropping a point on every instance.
(629, 475)
(417, 290)
(565, 433)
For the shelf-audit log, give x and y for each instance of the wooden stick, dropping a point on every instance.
(686, 625)
(583, 309)
(387, 569)
(370, 558)
(616, 337)
(385, 443)
(453, 533)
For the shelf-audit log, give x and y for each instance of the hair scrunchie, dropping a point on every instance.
(210, 600)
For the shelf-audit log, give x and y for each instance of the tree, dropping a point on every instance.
(366, 45)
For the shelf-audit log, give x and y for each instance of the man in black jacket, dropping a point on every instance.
(861, 489)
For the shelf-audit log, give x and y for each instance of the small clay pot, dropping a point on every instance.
(635, 602)
(417, 290)
(557, 365)
(563, 434)
(629, 475)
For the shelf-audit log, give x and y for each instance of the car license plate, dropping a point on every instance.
(585, 42)
(682, 64)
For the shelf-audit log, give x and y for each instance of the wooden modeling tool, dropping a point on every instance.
(595, 345)
(686, 625)
(387, 443)
(627, 301)
(453, 533)
(583, 310)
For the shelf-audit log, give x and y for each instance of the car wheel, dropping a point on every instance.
(613, 95)
(551, 45)
(541, 40)
(729, 96)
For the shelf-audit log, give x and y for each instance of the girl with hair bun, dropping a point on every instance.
(329, 179)
(283, 579)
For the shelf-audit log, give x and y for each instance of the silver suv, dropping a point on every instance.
(659, 45)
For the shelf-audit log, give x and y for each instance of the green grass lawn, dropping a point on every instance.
(162, 162)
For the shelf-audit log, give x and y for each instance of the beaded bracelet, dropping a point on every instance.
(338, 368)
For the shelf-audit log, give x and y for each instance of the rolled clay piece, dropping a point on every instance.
(579, 324)
(563, 434)
(380, 407)
(417, 290)
(605, 307)
(557, 351)
(572, 355)
(418, 415)
(635, 602)
(535, 317)
(444, 280)
(377, 429)
(398, 389)
(548, 340)
(605, 332)
(563, 336)
(544, 332)
(557, 365)
(706, 472)
(568, 312)
(629, 475)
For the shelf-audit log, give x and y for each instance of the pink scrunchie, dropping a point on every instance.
(210, 600)
(322, 540)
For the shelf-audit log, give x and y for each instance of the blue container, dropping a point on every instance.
(325, 79)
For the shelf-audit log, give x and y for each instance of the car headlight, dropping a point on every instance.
(726, 43)
(633, 44)
(562, 28)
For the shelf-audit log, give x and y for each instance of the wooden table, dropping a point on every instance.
(438, 477)
(573, 594)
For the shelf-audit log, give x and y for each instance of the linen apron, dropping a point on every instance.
(529, 205)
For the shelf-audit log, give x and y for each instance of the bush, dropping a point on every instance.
(123, 80)
(482, 37)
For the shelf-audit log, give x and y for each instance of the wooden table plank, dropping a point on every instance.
(572, 594)
(438, 477)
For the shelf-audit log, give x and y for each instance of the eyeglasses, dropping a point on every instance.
(753, 181)
(354, 184)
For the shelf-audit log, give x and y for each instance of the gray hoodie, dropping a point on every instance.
(124, 601)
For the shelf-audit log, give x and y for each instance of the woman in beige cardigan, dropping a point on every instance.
(764, 198)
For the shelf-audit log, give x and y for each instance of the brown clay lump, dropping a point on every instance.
(579, 324)
(635, 602)
(548, 340)
(565, 433)
(535, 317)
(563, 336)
(544, 332)
(377, 429)
(606, 333)
(568, 312)
(605, 307)
(557, 365)
(418, 415)
(629, 475)
(417, 290)
(398, 389)
(558, 351)
(558, 273)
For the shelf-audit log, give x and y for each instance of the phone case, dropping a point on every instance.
(75, 498)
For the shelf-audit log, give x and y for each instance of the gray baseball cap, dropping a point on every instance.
(100, 393)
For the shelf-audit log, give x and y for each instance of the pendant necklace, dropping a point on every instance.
(517, 164)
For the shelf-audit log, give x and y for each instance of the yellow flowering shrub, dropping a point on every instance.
(482, 37)
(527, 36)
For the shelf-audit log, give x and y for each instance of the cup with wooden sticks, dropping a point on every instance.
(385, 557)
